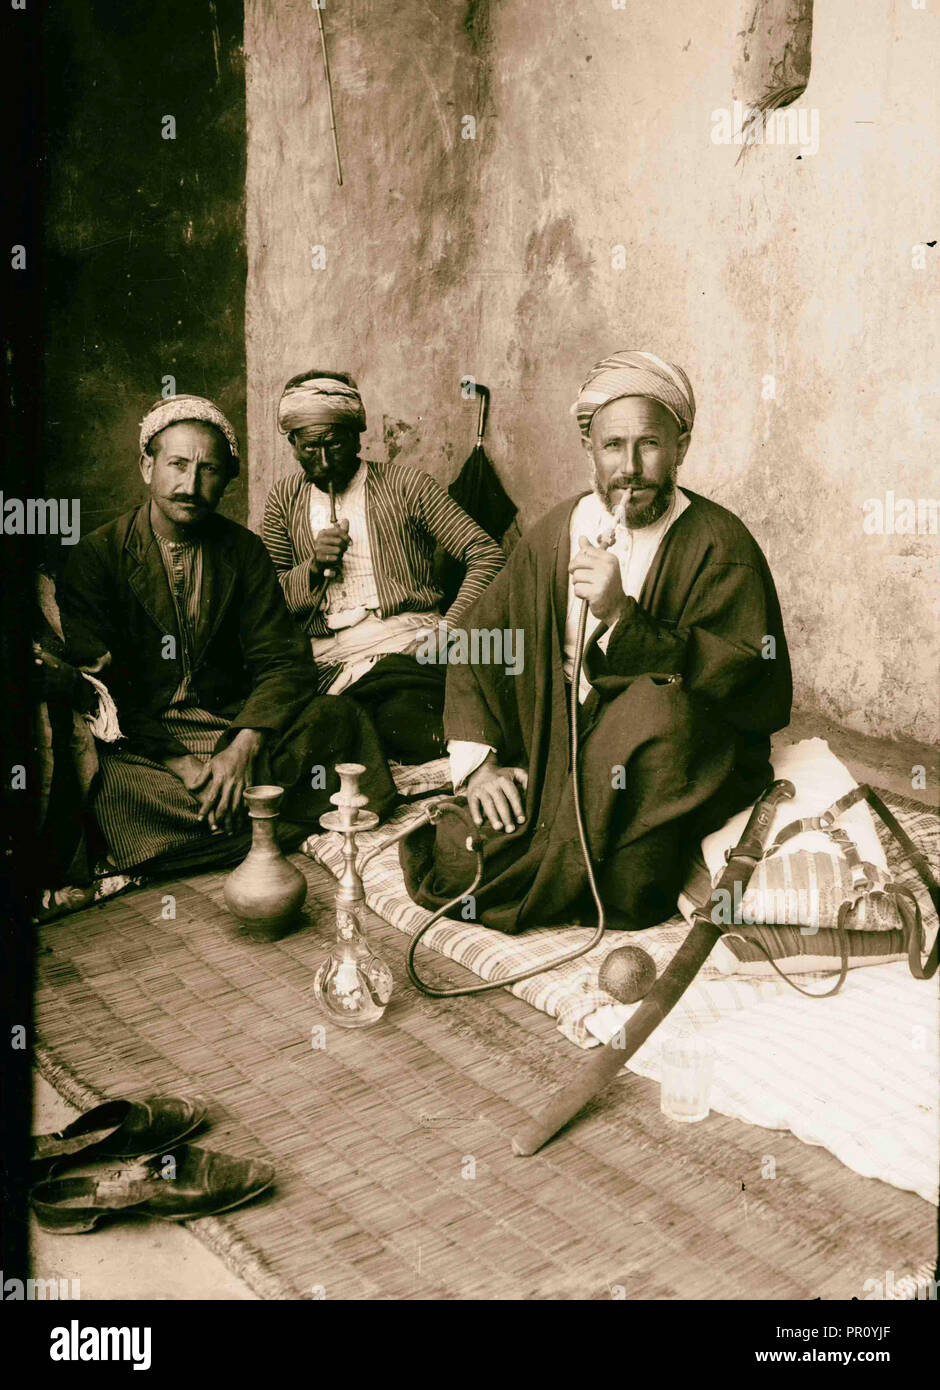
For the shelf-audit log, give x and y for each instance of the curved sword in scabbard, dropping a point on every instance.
(597, 1071)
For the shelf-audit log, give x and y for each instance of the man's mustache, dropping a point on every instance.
(326, 466)
(332, 467)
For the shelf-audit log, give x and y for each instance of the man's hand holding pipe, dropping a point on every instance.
(330, 545)
(595, 573)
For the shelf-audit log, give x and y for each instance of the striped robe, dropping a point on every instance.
(407, 514)
(197, 729)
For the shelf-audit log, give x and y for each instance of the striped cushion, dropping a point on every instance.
(807, 889)
(791, 906)
(797, 952)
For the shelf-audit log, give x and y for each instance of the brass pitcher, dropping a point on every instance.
(266, 891)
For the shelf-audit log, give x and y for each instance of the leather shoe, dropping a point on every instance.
(123, 1129)
(178, 1186)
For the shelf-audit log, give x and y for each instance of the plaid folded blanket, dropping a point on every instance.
(414, 780)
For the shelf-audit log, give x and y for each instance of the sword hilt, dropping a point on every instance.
(756, 833)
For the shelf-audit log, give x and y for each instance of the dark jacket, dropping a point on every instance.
(251, 665)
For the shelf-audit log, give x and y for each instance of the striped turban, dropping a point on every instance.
(321, 400)
(178, 408)
(635, 374)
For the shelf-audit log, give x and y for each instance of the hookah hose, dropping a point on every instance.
(475, 844)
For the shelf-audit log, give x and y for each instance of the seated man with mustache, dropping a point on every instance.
(686, 674)
(180, 613)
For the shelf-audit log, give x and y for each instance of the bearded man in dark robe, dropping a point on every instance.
(685, 676)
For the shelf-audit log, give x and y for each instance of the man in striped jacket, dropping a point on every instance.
(353, 542)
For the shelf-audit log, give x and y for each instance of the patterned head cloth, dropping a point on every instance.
(629, 373)
(177, 408)
(321, 400)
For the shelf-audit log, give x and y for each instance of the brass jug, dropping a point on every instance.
(266, 891)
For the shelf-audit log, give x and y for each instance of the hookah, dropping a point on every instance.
(353, 986)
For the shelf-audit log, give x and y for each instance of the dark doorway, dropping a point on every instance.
(143, 234)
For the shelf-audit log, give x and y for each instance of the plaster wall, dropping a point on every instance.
(785, 282)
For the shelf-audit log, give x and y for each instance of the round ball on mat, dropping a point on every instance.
(627, 974)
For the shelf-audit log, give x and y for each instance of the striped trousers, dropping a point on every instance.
(146, 813)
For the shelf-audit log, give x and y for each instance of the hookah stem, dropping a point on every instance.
(574, 707)
(619, 514)
(327, 574)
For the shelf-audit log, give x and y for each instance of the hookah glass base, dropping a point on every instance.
(352, 986)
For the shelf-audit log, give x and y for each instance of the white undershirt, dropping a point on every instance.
(635, 549)
(353, 593)
(359, 636)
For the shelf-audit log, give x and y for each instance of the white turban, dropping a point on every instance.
(177, 408)
(321, 400)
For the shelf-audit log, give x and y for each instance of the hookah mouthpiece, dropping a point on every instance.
(619, 515)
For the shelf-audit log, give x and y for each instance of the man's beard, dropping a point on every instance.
(636, 517)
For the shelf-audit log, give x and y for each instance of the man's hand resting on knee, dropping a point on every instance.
(493, 793)
(219, 785)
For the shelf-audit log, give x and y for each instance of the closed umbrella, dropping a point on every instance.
(478, 490)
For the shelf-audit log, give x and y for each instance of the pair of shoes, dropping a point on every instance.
(180, 1186)
(170, 1180)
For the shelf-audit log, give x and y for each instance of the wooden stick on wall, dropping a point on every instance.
(329, 92)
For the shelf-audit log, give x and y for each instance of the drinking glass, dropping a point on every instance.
(688, 1065)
